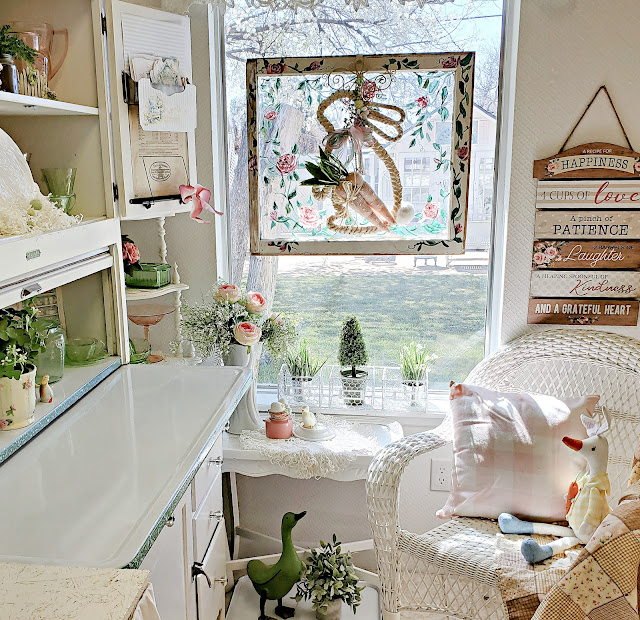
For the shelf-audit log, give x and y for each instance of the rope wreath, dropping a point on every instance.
(340, 204)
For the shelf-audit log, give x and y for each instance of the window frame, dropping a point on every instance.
(460, 64)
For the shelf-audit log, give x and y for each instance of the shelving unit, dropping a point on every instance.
(22, 105)
(140, 294)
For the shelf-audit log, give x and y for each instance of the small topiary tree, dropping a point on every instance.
(353, 351)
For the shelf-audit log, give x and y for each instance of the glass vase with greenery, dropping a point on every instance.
(13, 46)
(301, 364)
(328, 580)
(415, 359)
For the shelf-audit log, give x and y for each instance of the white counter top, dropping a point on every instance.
(60, 592)
(96, 486)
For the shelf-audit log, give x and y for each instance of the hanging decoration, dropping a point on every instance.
(331, 140)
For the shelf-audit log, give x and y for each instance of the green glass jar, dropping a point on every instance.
(51, 360)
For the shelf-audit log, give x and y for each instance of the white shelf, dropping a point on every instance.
(22, 254)
(22, 105)
(138, 294)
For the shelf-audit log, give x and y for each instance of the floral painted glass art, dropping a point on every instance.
(330, 140)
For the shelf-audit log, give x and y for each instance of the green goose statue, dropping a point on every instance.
(274, 582)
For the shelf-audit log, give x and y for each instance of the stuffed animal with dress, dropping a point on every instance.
(586, 501)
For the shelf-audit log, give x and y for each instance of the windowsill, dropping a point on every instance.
(437, 408)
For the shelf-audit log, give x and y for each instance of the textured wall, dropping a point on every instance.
(567, 49)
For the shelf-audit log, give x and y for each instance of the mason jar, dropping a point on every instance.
(8, 74)
(51, 360)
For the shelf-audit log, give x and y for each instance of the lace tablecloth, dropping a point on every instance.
(315, 459)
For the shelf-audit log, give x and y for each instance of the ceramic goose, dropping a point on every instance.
(46, 393)
(274, 582)
(308, 418)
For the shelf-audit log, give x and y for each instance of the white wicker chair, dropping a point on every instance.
(450, 570)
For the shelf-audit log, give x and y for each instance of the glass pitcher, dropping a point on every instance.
(39, 36)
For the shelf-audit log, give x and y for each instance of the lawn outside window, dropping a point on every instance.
(436, 300)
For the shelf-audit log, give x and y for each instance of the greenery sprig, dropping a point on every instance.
(415, 359)
(328, 171)
(22, 337)
(14, 46)
(329, 574)
(301, 363)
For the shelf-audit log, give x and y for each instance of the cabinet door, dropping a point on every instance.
(168, 561)
(139, 30)
(211, 577)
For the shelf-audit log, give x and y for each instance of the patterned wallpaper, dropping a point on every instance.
(566, 50)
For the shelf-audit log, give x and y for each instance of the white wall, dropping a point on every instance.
(567, 50)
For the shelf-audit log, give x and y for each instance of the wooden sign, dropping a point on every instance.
(617, 225)
(594, 160)
(572, 312)
(585, 255)
(588, 194)
(613, 284)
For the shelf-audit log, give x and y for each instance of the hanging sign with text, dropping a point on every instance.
(578, 312)
(617, 225)
(594, 160)
(549, 254)
(587, 194)
(611, 284)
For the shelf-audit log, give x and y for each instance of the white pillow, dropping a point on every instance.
(509, 455)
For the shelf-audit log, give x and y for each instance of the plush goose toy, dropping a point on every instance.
(586, 502)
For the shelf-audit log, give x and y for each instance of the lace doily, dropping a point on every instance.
(315, 459)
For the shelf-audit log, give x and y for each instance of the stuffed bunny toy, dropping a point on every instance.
(586, 501)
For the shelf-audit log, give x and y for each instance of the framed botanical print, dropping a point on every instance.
(360, 154)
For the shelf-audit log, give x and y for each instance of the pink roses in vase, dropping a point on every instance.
(229, 317)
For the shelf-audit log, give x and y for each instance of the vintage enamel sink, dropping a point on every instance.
(90, 488)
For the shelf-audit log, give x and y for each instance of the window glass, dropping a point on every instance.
(440, 301)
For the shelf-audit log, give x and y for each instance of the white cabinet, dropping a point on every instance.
(210, 577)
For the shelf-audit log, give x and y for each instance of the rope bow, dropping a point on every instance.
(341, 205)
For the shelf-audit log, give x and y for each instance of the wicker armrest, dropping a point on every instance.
(383, 485)
(632, 493)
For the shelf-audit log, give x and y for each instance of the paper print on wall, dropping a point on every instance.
(327, 141)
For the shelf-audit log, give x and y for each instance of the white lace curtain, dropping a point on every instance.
(182, 6)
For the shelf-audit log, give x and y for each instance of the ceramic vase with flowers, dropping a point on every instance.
(234, 326)
(329, 580)
(22, 337)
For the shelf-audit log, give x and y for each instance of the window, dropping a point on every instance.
(440, 302)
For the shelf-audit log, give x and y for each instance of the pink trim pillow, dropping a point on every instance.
(508, 452)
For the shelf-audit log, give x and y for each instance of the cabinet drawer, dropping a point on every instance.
(207, 474)
(210, 577)
(208, 517)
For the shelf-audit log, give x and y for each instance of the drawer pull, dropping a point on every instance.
(30, 290)
(218, 514)
(216, 461)
(197, 569)
(222, 580)
(170, 521)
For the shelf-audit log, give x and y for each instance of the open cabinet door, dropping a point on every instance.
(150, 165)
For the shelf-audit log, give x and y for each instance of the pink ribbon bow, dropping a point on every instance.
(200, 197)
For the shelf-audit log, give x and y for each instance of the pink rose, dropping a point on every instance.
(228, 292)
(539, 245)
(3, 423)
(463, 152)
(255, 302)
(551, 251)
(286, 164)
(423, 102)
(27, 384)
(430, 210)
(277, 319)
(458, 228)
(551, 167)
(636, 166)
(276, 68)
(314, 66)
(130, 252)
(271, 115)
(308, 216)
(273, 215)
(538, 258)
(368, 90)
(247, 333)
(450, 63)
(253, 162)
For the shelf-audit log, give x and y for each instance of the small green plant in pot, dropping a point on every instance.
(303, 366)
(329, 579)
(352, 353)
(415, 359)
(22, 337)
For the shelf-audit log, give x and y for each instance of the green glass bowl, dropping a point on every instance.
(139, 350)
(152, 275)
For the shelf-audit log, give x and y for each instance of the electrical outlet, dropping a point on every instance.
(440, 475)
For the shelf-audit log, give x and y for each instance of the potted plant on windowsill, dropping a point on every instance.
(302, 367)
(415, 359)
(352, 353)
(22, 337)
(329, 579)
